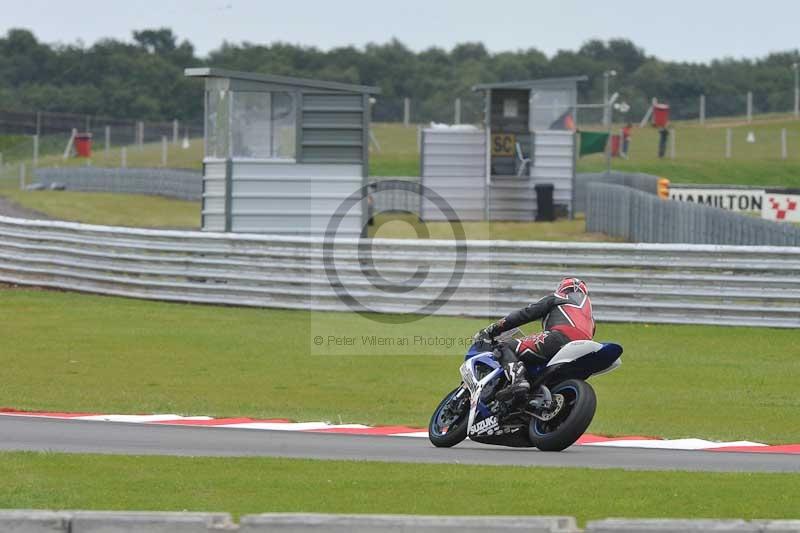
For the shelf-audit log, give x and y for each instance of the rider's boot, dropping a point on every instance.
(518, 386)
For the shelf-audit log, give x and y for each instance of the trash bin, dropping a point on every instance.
(545, 211)
(83, 144)
(660, 115)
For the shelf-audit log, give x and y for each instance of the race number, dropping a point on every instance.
(503, 144)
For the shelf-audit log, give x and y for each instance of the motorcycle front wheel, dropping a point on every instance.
(448, 425)
(570, 422)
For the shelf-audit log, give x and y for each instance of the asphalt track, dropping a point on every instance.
(29, 433)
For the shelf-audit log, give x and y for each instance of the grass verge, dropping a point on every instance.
(405, 226)
(258, 485)
(75, 352)
(111, 209)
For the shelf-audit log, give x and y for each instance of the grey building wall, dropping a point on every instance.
(641, 217)
(213, 208)
(282, 198)
(554, 163)
(512, 198)
(454, 166)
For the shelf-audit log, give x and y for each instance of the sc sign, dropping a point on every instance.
(503, 144)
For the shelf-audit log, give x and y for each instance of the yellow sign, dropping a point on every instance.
(503, 144)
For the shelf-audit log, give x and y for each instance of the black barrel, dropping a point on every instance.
(544, 202)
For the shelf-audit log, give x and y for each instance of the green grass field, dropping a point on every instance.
(257, 485)
(403, 226)
(74, 352)
(136, 210)
(700, 154)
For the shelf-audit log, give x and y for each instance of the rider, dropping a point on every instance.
(566, 316)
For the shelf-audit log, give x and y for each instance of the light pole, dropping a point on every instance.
(607, 109)
(796, 68)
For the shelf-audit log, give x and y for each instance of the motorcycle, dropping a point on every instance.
(554, 414)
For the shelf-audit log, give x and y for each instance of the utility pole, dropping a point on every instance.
(607, 110)
(796, 68)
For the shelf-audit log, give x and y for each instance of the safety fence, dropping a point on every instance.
(172, 183)
(641, 217)
(190, 522)
(630, 282)
(635, 180)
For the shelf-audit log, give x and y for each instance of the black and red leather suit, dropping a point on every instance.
(565, 318)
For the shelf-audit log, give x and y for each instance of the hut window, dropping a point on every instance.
(263, 125)
(510, 108)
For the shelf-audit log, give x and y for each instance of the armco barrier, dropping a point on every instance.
(35, 521)
(635, 180)
(424, 524)
(630, 282)
(623, 525)
(169, 182)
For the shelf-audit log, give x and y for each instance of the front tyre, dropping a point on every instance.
(570, 421)
(448, 425)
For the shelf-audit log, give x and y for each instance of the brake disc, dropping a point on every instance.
(558, 399)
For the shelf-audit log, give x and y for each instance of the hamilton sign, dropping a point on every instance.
(730, 198)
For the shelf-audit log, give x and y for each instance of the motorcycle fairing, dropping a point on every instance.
(479, 415)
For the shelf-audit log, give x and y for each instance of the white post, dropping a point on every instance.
(22, 176)
(140, 140)
(108, 140)
(784, 151)
(406, 112)
(35, 151)
(163, 150)
(728, 143)
(124, 157)
(796, 102)
(457, 119)
(702, 109)
(175, 131)
(749, 107)
(672, 143)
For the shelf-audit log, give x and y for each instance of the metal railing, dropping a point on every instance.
(696, 284)
(637, 216)
(168, 182)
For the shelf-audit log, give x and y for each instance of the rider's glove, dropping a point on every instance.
(487, 333)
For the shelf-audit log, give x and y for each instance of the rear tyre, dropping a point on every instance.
(448, 425)
(561, 432)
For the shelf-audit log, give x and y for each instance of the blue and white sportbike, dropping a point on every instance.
(556, 412)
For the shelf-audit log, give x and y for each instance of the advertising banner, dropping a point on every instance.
(739, 199)
(781, 205)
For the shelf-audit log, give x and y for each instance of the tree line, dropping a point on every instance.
(144, 78)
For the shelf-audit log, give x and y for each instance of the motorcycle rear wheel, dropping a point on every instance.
(580, 403)
(446, 429)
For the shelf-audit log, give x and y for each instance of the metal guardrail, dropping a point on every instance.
(169, 182)
(141, 521)
(693, 284)
(641, 217)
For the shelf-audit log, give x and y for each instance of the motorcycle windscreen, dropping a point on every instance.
(476, 349)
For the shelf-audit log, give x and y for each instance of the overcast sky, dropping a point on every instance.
(684, 30)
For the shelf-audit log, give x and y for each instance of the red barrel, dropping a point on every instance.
(83, 144)
(660, 115)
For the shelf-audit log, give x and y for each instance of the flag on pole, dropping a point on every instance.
(593, 142)
(564, 122)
